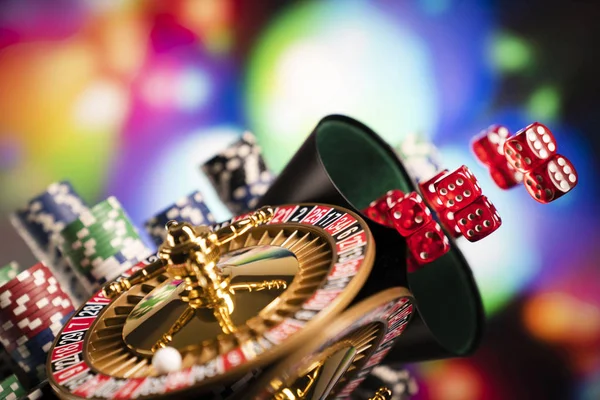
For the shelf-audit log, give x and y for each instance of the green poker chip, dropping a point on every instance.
(98, 235)
(102, 244)
(76, 230)
(11, 388)
(98, 238)
(95, 219)
(8, 272)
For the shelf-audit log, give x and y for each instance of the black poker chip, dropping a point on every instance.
(239, 174)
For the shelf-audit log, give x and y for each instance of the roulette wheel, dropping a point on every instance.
(217, 305)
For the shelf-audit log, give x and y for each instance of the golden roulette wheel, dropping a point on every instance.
(333, 364)
(217, 306)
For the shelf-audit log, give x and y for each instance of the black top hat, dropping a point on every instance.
(343, 162)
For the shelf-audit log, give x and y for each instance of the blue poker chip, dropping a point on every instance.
(31, 361)
(31, 356)
(46, 215)
(190, 209)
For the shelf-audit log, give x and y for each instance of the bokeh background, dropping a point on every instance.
(128, 98)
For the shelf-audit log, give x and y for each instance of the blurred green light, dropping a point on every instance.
(318, 58)
(544, 103)
(510, 53)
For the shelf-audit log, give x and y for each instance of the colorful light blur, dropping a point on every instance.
(129, 98)
(315, 60)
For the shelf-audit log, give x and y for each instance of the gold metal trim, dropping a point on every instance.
(292, 378)
(108, 354)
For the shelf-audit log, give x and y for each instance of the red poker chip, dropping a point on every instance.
(14, 336)
(57, 301)
(25, 303)
(26, 275)
(10, 297)
(38, 323)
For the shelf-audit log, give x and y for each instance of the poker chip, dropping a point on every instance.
(46, 215)
(38, 272)
(11, 388)
(420, 157)
(101, 244)
(40, 222)
(8, 272)
(239, 174)
(32, 308)
(31, 355)
(190, 209)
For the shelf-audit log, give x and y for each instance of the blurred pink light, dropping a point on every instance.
(158, 88)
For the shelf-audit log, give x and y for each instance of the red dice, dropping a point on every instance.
(457, 189)
(424, 237)
(378, 209)
(489, 149)
(452, 193)
(429, 193)
(478, 219)
(389, 200)
(489, 145)
(410, 214)
(428, 243)
(505, 176)
(374, 214)
(530, 147)
(551, 180)
(448, 221)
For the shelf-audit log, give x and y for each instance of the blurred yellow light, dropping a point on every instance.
(202, 16)
(41, 82)
(45, 84)
(457, 381)
(120, 38)
(561, 318)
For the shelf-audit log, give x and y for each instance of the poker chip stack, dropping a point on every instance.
(420, 157)
(11, 388)
(239, 174)
(8, 272)
(190, 209)
(39, 223)
(33, 308)
(102, 243)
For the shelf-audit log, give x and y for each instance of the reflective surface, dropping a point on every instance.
(322, 374)
(120, 343)
(160, 308)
